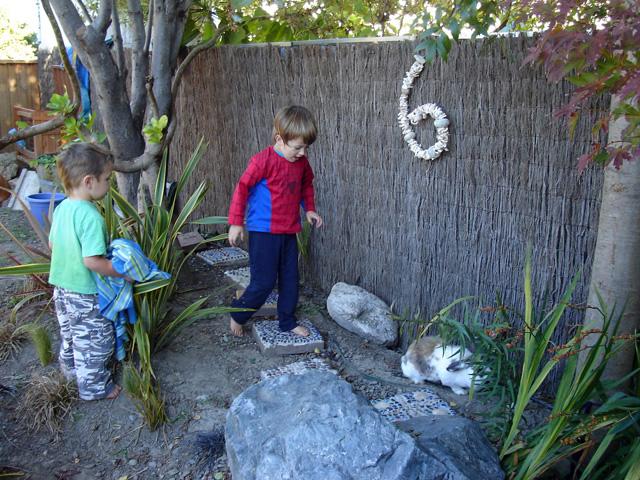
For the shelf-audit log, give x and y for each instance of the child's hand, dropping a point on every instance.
(236, 235)
(314, 219)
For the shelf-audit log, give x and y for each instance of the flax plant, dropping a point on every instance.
(536, 342)
(140, 382)
(156, 230)
(571, 427)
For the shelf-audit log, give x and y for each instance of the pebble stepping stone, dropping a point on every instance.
(297, 368)
(241, 276)
(419, 403)
(270, 306)
(271, 341)
(223, 256)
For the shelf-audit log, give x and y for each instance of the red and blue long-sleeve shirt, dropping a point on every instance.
(273, 188)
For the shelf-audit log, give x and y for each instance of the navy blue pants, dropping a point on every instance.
(272, 257)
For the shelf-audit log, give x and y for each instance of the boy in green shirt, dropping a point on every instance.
(78, 243)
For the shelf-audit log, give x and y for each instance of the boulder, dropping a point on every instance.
(313, 426)
(8, 165)
(457, 447)
(361, 312)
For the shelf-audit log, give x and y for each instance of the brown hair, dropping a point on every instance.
(79, 160)
(293, 122)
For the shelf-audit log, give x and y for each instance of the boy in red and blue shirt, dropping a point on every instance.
(276, 183)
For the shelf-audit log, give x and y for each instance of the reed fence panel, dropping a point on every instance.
(413, 232)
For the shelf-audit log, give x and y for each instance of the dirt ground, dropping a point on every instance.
(200, 374)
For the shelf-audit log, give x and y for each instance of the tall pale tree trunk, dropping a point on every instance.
(616, 266)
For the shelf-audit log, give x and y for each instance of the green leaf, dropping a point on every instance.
(237, 36)
(601, 158)
(146, 287)
(21, 125)
(214, 220)
(27, 269)
(207, 31)
(454, 27)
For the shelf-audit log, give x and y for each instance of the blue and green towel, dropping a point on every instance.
(115, 294)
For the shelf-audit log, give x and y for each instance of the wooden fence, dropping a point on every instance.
(18, 86)
(413, 232)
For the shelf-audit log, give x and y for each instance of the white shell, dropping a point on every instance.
(441, 123)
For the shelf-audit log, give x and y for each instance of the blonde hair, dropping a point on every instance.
(79, 160)
(295, 122)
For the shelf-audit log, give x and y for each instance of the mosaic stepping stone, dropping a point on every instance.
(419, 403)
(240, 276)
(270, 306)
(271, 341)
(223, 256)
(297, 368)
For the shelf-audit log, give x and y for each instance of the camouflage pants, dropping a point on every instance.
(87, 343)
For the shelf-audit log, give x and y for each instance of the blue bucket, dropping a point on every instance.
(39, 204)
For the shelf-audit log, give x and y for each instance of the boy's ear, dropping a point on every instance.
(87, 180)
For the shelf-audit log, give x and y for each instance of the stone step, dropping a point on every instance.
(419, 403)
(297, 368)
(220, 257)
(270, 306)
(241, 276)
(271, 341)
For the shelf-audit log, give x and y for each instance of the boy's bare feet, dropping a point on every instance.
(236, 328)
(115, 391)
(300, 330)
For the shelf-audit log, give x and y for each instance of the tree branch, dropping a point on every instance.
(139, 63)
(117, 40)
(85, 11)
(32, 131)
(505, 19)
(150, 155)
(177, 78)
(102, 21)
(147, 42)
(71, 72)
(152, 98)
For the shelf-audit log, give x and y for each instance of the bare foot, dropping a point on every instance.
(236, 328)
(300, 330)
(115, 391)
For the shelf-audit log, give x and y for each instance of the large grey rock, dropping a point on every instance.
(314, 427)
(363, 313)
(8, 165)
(457, 448)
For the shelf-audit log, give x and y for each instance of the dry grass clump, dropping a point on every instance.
(11, 338)
(46, 401)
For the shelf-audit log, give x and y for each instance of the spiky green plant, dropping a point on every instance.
(140, 383)
(156, 231)
(42, 343)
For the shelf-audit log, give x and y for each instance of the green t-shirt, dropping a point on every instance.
(78, 230)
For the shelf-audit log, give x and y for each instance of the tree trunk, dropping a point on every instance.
(616, 266)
